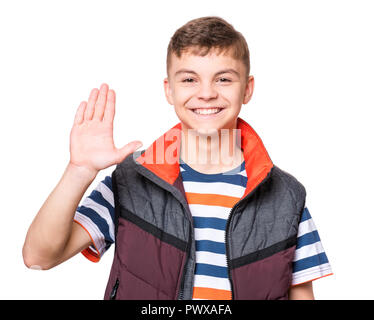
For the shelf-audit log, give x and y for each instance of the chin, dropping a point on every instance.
(205, 128)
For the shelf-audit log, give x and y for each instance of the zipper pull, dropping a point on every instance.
(114, 290)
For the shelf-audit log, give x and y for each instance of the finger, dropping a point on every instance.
(101, 102)
(91, 104)
(110, 107)
(80, 113)
(127, 149)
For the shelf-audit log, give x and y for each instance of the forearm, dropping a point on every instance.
(49, 232)
(302, 292)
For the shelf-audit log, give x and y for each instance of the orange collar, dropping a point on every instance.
(162, 156)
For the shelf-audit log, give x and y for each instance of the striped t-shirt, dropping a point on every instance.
(210, 198)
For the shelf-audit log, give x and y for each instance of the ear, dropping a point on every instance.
(168, 91)
(248, 89)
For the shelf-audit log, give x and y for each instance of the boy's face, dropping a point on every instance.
(207, 91)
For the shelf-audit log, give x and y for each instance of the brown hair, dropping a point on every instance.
(200, 36)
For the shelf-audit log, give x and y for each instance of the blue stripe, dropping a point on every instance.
(98, 221)
(231, 176)
(108, 182)
(186, 167)
(308, 238)
(211, 270)
(238, 179)
(305, 215)
(210, 246)
(98, 198)
(310, 262)
(214, 223)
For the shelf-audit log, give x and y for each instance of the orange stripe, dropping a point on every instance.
(294, 285)
(211, 294)
(88, 253)
(211, 199)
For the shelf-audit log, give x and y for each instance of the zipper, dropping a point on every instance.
(188, 249)
(181, 287)
(227, 230)
(228, 261)
(114, 290)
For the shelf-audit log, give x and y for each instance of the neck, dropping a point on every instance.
(211, 152)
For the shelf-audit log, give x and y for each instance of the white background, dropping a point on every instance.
(312, 107)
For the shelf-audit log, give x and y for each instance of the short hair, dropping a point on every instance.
(201, 35)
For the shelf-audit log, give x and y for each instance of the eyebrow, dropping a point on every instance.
(217, 73)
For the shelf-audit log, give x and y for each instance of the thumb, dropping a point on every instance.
(123, 152)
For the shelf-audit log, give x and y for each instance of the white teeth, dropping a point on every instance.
(207, 111)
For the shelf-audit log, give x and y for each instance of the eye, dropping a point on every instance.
(224, 80)
(188, 80)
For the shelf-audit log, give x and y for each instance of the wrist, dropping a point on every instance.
(81, 172)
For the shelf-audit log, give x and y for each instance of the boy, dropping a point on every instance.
(202, 213)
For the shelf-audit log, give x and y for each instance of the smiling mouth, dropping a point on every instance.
(207, 111)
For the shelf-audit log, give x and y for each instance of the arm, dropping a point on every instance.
(53, 237)
(302, 291)
(52, 234)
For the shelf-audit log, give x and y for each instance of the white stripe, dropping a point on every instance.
(200, 210)
(106, 192)
(221, 188)
(235, 171)
(306, 227)
(243, 173)
(308, 251)
(311, 273)
(211, 258)
(102, 211)
(210, 234)
(211, 282)
(95, 233)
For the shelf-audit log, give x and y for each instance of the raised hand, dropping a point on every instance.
(91, 138)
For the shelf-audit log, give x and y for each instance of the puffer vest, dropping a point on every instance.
(155, 249)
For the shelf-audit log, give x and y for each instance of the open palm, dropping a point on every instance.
(91, 138)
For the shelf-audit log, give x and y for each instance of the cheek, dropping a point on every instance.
(182, 95)
(232, 94)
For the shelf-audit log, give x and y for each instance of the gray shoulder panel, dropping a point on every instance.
(296, 189)
(148, 197)
(270, 215)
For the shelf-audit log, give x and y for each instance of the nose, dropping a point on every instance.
(207, 92)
